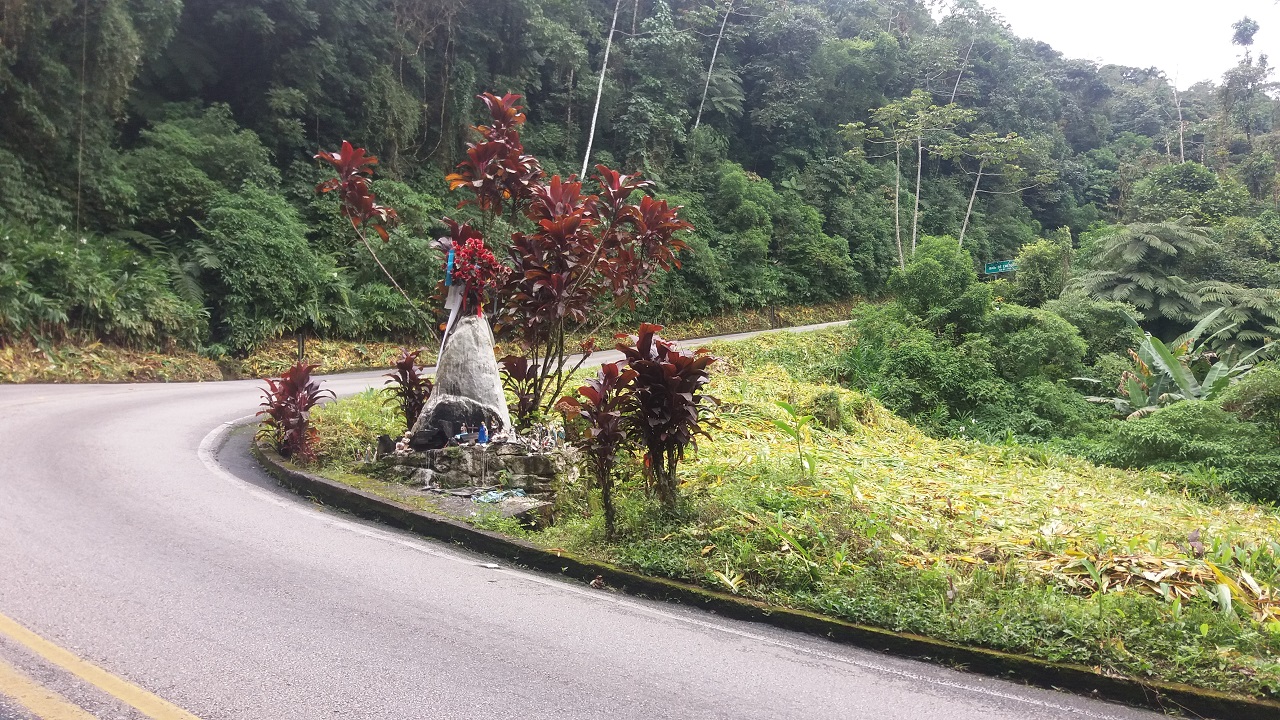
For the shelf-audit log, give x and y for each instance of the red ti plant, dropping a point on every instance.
(640, 239)
(518, 376)
(355, 169)
(587, 252)
(605, 400)
(409, 387)
(497, 170)
(670, 407)
(584, 252)
(287, 405)
(359, 205)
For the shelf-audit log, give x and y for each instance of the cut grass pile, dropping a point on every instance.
(65, 362)
(25, 362)
(332, 356)
(1001, 546)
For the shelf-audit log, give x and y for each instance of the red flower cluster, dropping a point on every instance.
(358, 202)
(475, 267)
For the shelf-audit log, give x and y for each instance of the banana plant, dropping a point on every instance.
(1163, 375)
(796, 427)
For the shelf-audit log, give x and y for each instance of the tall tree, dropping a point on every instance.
(1244, 103)
(994, 154)
(66, 72)
(604, 67)
(931, 125)
(894, 124)
(913, 120)
(711, 66)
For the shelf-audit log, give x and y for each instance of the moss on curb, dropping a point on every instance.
(1161, 696)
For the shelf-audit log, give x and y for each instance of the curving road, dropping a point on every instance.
(136, 536)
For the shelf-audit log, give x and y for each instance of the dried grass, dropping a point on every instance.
(24, 362)
(968, 504)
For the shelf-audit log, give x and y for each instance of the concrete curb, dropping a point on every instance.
(1161, 696)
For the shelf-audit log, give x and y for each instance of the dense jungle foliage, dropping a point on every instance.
(174, 141)
(157, 191)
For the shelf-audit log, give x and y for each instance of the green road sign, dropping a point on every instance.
(1001, 266)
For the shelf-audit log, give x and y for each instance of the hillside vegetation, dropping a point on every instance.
(157, 172)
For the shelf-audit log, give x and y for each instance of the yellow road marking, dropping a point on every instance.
(148, 704)
(43, 702)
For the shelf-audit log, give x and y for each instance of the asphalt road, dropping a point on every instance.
(135, 534)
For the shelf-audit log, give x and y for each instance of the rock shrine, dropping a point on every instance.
(468, 390)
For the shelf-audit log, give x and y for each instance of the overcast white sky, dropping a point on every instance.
(1188, 39)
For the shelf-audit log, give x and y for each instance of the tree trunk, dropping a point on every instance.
(960, 74)
(604, 66)
(714, 52)
(84, 65)
(568, 114)
(972, 196)
(915, 214)
(663, 471)
(1066, 262)
(897, 190)
(1182, 148)
(606, 499)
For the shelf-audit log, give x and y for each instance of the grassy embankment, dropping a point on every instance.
(64, 362)
(999, 546)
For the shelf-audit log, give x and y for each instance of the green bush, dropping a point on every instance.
(268, 279)
(915, 372)
(1172, 191)
(408, 254)
(825, 408)
(1037, 409)
(1256, 396)
(1031, 343)
(1194, 437)
(772, 242)
(1009, 377)
(1108, 370)
(1042, 271)
(836, 410)
(184, 161)
(378, 311)
(25, 201)
(1104, 324)
(55, 284)
(1186, 431)
(940, 285)
(935, 277)
(1001, 289)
